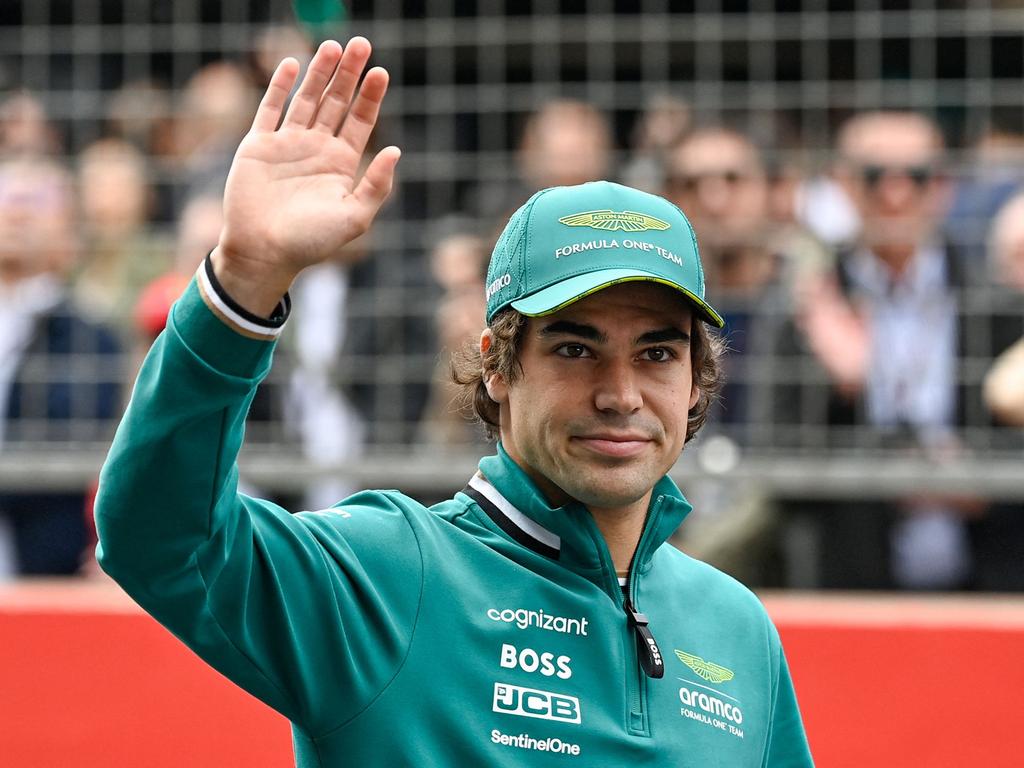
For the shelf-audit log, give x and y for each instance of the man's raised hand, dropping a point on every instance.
(293, 198)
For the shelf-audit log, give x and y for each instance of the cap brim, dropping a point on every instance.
(555, 297)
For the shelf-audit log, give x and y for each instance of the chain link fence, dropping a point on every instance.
(143, 102)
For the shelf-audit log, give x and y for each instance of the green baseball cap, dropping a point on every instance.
(569, 242)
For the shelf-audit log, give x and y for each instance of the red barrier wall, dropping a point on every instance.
(900, 681)
(87, 680)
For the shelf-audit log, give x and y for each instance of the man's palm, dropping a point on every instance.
(292, 197)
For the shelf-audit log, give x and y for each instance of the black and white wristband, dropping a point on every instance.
(233, 314)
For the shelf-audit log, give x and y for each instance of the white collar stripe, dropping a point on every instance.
(517, 518)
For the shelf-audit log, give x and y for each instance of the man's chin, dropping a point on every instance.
(606, 488)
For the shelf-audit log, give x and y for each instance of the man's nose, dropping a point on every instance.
(896, 192)
(617, 388)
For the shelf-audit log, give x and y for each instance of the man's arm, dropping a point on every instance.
(285, 605)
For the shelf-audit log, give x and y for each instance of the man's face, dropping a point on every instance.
(599, 412)
(718, 180)
(890, 167)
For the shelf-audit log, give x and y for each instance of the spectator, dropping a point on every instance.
(1006, 245)
(120, 255)
(59, 373)
(198, 233)
(884, 330)
(458, 262)
(140, 113)
(384, 316)
(717, 176)
(25, 127)
(564, 142)
(271, 45)
(992, 173)
(1004, 386)
(1002, 298)
(329, 430)
(998, 535)
(662, 125)
(214, 113)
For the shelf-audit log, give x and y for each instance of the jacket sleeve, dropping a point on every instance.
(787, 745)
(290, 607)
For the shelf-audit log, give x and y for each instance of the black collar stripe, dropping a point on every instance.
(511, 520)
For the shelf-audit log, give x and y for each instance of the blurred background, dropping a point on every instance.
(854, 171)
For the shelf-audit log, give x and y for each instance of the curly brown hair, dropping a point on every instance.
(508, 330)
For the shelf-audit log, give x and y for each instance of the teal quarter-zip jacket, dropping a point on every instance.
(488, 630)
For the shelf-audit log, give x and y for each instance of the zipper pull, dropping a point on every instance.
(646, 646)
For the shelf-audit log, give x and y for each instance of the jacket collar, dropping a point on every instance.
(567, 533)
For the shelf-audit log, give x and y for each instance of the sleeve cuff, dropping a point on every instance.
(236, 317)
(220, 333)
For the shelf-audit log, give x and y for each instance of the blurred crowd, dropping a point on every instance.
(874, 302)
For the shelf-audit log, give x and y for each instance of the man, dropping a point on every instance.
(60, 374)
(718, 177)
(886, 330)
(490, 629)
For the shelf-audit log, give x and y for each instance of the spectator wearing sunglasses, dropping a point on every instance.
(886, 330)
(717, 175)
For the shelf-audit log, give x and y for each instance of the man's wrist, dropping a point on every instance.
(253, 290)
(224, 304)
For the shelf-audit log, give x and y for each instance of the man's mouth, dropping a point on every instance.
(613, 444)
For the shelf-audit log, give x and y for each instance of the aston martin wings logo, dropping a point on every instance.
(710, 672)
(628, 221)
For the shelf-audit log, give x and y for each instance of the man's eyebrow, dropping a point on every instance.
(662, 335)
(567, 328)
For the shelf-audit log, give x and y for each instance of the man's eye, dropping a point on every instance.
(658, 354)
(572, 350)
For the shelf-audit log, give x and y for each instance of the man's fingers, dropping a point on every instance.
(268, 115)
(362, 117)
(321, 69)
(338, 95)
(375, 186)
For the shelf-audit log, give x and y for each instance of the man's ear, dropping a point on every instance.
(494, 383)
(694, 396)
